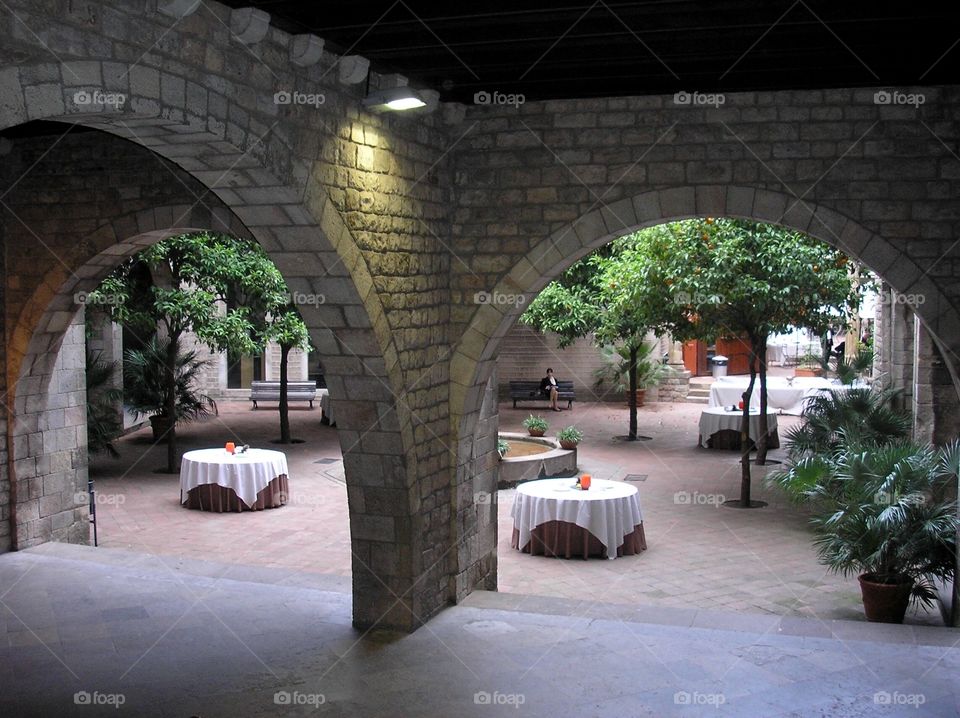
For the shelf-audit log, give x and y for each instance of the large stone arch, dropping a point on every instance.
(473, 363)
(306, 237)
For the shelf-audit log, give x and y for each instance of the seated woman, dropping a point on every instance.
(548, 387)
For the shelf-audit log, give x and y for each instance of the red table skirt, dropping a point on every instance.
(213, 497)
(563, 539)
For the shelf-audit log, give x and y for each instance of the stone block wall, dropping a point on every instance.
(476, 494)
(50, 447)
(526, 354)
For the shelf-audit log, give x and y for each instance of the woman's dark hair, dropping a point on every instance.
(549, 370)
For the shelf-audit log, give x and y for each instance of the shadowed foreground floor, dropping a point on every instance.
(90, 632)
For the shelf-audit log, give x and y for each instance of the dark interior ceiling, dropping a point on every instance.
(606, 48)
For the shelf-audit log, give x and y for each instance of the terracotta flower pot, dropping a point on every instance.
(536, 432)
(801, 371)
(884, 602)
(568, 444)
(641, 396)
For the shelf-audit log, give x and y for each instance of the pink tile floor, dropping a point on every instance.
(699, 555)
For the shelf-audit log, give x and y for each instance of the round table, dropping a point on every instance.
(553, 518)
(215, 480)
(326, 415)
(720, 428)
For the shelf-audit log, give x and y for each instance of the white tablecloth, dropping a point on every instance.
(717, 418)
(790, 397)
(326, 413)
(247, 474)
(609, 510)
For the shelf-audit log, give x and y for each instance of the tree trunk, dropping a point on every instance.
(760, 349)
(632, 435)
(171, 409)
(284, 404)
(745, 434)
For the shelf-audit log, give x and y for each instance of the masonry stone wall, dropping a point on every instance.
(526, 354)
(5, 411)
(50, 448)
(348, 204)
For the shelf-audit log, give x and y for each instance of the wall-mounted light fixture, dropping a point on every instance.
(393, 98)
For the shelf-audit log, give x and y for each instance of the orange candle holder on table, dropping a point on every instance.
(585, 482)
(230, 447)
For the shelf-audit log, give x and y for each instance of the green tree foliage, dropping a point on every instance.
(223, 289)
(711, 278)
(701, 279)
(579, 304)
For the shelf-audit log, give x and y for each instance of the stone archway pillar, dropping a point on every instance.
(50, 445)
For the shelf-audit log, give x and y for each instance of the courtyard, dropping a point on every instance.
(700, 555)
(402, 202)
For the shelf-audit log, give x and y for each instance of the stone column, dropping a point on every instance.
(477, 473)
(50, 446)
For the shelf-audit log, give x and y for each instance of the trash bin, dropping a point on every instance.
(719, 365)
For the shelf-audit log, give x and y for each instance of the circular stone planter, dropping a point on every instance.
(553, 461)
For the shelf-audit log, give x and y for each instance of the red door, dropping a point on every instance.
(738, 352)
(695, 358)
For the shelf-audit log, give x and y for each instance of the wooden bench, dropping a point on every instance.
(522, 390)
(270, 391)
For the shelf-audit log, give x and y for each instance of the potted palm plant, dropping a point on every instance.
(535, 425)
(891, 519)
(145, 388)
(103, 417)
(569, 437)
(883, 508)
(616, 370)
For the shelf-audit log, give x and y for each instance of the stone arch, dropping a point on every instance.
(54, 302)
(473, 362)
(309, 242)
(548, 258)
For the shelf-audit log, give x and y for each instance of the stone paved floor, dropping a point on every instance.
(699, 556)
(87, 632)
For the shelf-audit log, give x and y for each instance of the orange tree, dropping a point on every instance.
(578, 305)
(711, 278)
